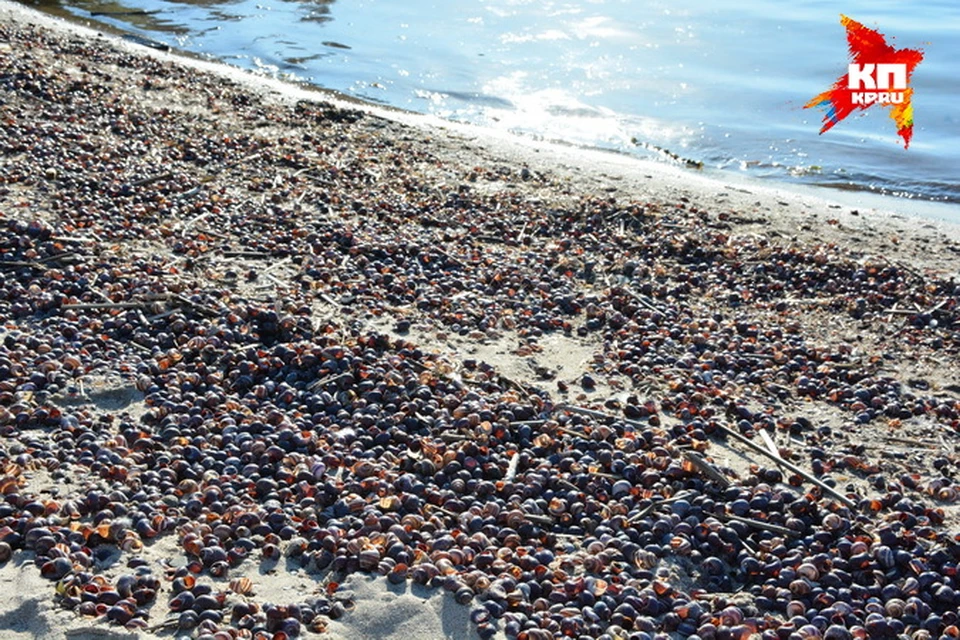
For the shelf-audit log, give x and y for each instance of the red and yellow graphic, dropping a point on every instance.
(878, 74)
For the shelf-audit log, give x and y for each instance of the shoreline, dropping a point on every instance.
(259, 314)
(884, 205)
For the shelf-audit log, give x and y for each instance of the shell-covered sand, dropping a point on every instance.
(188, 192)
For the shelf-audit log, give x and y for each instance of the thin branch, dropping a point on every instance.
(706, 468)
(105, 305)
(789, 465)
(593, 413)
(759, 524)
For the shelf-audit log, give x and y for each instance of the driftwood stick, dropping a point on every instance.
(759, 524)
(644, 301)
(454, 437)
(277, 264)
(902, 312)
(260, 255)
(608, 476)
(166, 624)
(58, 257)
(146, 181)
(72, 240)
(105, 305)
(192, 221)
(758, 356)
(447, 512)
(910, 441)
(519, 386)
(450, 257)
(767, 440)
(313, 386)
(542, 520)
(706, 468)
(189, 193)
(788, 465)
(656, 503)
(139, 347)
(162, 315)
(571, 432)
(593, 413)
(275, 280)
(202, 308)
(937, 306)
(17, 264)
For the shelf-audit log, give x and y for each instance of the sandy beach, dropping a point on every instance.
(346, 366)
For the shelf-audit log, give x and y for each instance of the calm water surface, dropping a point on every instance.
(719, 82)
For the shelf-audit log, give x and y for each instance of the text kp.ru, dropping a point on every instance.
(865, 81)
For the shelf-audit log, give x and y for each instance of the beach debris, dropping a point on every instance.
(279, 424)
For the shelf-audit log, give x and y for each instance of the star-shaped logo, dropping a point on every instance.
(878, 74)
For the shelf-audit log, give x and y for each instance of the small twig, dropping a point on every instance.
(202, 308)
(714, 595)
(58, 257)
(450, 257)
(452, 514)
(749, 548)
(166, 624)
(654, 504)
(194, 221)
(516, 385)
(759, 524)
(593, 413)
(105, 305)
(230, 165)
(277, 264)
(18, 264)
(910, 441)
(189, 193)
(545, 520)
(454, 437)
(644, 301)
(275, 280)
(161, 316)
(769, 442)
(71, 240)
(706, 468)
(142, 348)
(901, 312)
(313, 386)
(259, 255)
(146, 181)
(938, 306)
(789, 465)
(571, 432)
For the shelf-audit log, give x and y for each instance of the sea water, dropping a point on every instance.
(721, 83)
